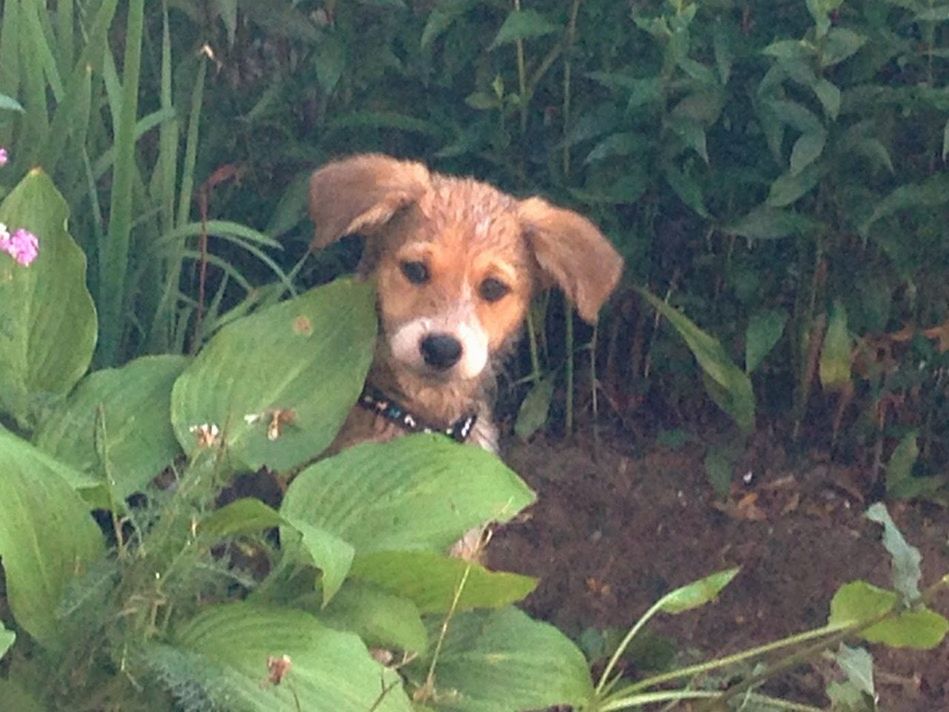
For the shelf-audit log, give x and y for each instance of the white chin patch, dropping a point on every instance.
(405, 344)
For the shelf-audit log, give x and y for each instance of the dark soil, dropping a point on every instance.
(613, 531)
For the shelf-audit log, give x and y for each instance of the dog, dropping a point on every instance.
(455, 263)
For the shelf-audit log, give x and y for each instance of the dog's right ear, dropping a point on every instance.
(363, 192)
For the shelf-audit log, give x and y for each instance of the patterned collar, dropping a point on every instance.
(373, 400)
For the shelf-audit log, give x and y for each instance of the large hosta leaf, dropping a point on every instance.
(47, 536)
(129, 407)
(420, 491)
(48, 322)
(379, 617)
(431, 580)
(502, 661)
(278, 384)
(327, 669)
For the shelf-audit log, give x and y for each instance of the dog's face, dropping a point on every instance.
(455, 260)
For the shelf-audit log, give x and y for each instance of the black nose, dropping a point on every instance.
(440, 351)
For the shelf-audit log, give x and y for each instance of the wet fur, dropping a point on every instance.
(465, 232)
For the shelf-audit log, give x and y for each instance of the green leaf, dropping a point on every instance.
(795, 115)
(419, 491)
(47, 537)
(129, 408)
(919, 629)
(243, 516)
(231, 645)
(378, 617)
(330, 62)
(840, 44)
(857, 693)
(900, 467)
(7, 638)
(441, 18)
(430, 580)
(686, 187)
(330, 554)
(829, 96)
(789, 49)
(790, 186)
(697, 593)
(835, 352)
(735, 384)
(17, 697)
(8, 103)
(932, 192)
(534, 409)
(768, 223)
(945, 141)
(692, 133)
(503, 660)
(906, 559)
(764, 329)
(227, 9)
(858, 602)
(48, 323)
(300, 363)
(521, 25)
(807, 149)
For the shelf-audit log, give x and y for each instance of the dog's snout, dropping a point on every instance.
(440, 351)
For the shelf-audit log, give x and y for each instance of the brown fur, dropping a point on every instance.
(464, 232)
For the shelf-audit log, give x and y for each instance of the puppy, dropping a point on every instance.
(455, 262)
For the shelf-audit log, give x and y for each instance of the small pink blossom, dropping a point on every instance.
(23, 246)
(4, 157)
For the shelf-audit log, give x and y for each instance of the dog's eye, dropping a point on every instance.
(491, 289)
(415, 272)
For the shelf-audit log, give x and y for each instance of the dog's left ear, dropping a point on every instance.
(571, 252)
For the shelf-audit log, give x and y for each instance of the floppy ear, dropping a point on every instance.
(362, 192)
(571, 252)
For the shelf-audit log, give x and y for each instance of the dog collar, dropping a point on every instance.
(375, 401)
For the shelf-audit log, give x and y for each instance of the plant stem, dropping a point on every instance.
(521, 76)
(430, 677)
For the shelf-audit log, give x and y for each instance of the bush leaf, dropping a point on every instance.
(303, 360)
(906, 559)
(47, 537)
(764, 330)
(48, 321)
(697, 593)
(835, 351)
(735, 396)
(522, 24)
(377, 616)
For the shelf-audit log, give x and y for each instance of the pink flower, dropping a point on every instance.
(24, 247)
(4, 157)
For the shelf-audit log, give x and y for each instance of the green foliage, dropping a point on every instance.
(48, 329)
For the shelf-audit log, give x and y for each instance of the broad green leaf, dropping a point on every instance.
(919, 629)
(807, 149)
(789, 49)
(692, 133)
(624, 143)
(796, 115)
(8, 103)
(739, 400)
(129, 408)
(503, 660)
(278, 384)
(330, 62)
(859, 601)
(7, 638)
(764, 329)
(48, 322)
(840, 44)
(767, 223)
(377, 616)
(47, 537)
(906, 559)
(431, 580)
(418, 491)
(932, 192)
(522, 24)
(16, 697)
(330, 554)
(686, 187)
(242, 516)
(697, 593)
(900, 467)
(829, 96)
(534, 409)
(790, 186)
(835, 351)
(328, 669)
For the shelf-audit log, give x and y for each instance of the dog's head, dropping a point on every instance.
(455, 260)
